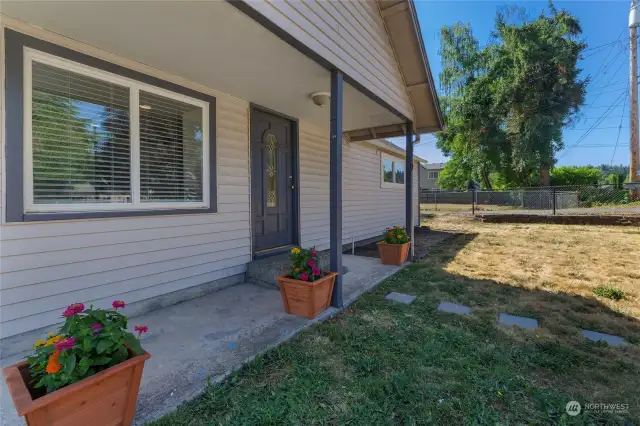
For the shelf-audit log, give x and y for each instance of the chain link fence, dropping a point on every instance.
(555, 200)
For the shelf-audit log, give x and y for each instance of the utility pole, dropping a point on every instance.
(634, 163)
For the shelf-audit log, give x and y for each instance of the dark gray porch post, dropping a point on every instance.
(408, 185)
(335, 185)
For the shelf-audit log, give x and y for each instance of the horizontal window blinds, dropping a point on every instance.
(171, 150)
(80, 138)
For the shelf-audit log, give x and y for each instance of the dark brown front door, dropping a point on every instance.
(272, 180)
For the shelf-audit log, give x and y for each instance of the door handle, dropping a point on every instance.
(293, 188)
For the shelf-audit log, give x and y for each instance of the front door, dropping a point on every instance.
(272, 180)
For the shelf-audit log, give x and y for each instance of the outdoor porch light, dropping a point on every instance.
(320, 98)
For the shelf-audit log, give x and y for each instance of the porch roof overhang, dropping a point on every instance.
(209, 46)
(390, 147)
(401, 22)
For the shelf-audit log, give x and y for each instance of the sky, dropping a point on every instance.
(608, 68)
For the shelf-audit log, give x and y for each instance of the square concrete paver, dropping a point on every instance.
(603, 337)
(454, 308)
(522, 322)
(400, 297)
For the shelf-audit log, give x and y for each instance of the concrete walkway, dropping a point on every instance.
(216, 334)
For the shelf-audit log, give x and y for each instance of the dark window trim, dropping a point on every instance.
(15, 43)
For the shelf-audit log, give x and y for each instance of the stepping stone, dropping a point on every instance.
(522, 322)
(602, 337)
(400, 297)
(454, 308)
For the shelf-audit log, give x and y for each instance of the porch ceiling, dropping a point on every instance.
(210, 43)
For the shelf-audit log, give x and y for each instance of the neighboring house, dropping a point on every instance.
(151, 150)
(429, 174)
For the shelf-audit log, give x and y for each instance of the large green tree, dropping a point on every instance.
(506, 104)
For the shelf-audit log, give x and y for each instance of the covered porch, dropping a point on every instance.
(203, 340)
(237, 49)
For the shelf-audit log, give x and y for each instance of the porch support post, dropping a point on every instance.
(335, 185)
(408, 185)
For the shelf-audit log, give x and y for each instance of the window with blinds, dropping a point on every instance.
(80, 137)
(99, 141)
(170, 150)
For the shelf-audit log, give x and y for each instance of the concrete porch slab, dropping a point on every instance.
(214, 335)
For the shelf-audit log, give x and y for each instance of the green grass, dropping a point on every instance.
(383, 363)
(609, 292)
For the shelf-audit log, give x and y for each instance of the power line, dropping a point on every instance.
(603, 116)
(619, 127)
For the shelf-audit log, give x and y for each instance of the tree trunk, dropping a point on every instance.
(545, 179)
(485, 179)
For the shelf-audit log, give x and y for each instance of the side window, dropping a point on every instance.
(392, 171)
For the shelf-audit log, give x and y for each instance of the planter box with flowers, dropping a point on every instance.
(395, 247)
(86, 374)
(306, 291)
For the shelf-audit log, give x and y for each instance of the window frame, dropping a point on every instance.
(394, 160)
(437, 173)
(20, 52)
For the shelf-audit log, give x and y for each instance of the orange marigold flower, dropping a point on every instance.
(53, 366)
(391, 234)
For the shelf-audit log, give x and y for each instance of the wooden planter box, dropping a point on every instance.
(304, 298)
(393, 254)
(106, 398)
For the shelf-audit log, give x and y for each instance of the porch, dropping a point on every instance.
(207, 338)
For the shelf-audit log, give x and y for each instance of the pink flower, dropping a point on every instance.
(141, 329)
(311, 263)
(316, 271)
(96, 327)
(117, 304)
(66, 343)
(304, 276)
(313, 252)
(74, 308)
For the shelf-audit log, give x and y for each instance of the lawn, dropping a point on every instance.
(386, 363)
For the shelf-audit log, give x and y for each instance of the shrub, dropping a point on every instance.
(609, 293)
(396, 235)
(89, 341)
(304, 265)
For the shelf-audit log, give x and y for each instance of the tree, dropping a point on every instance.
(505, 105)
(575, 175)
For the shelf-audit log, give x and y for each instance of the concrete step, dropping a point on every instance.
(263, 272)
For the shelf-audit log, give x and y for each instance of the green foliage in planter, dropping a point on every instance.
(396, 235)
(89, 341)
(304, 265)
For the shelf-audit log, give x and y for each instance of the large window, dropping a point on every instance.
(100, 141)
(392, 171)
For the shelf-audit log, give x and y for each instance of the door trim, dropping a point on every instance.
(295, 148)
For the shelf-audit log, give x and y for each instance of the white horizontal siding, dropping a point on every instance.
(48, 265)
(314, 186)
(367, 208)
(349, 35)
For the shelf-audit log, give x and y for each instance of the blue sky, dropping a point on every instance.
(602, 22)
